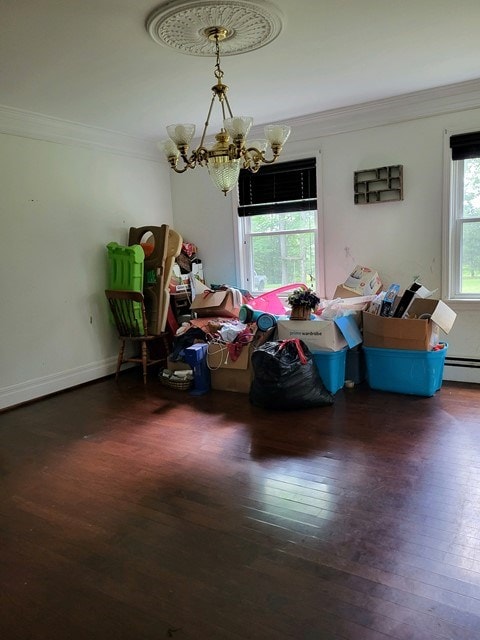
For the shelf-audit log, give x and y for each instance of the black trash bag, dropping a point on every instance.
(285, 376)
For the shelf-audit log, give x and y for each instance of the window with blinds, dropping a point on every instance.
(278, 221)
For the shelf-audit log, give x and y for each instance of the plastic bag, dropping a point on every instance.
(286, 377)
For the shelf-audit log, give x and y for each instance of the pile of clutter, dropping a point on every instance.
(387, 337)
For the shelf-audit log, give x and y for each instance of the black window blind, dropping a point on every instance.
(278, 188)
(465, 145)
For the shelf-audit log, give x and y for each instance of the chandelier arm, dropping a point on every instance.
(252, 158)
(187, 166)
(190, 162)
(265, 161)
(202, 156)
(276, 150)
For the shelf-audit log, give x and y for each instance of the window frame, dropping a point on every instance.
(453, 224)
(247, 236)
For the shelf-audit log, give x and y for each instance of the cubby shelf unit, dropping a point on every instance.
(384, 184)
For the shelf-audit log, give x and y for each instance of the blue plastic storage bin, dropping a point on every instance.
(418, 373)
(331, 367)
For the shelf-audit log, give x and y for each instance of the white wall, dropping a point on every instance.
(401, 240)
(203, 215)
(60, 205)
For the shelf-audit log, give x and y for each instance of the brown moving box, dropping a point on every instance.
(227, 374)
(416, 333)
(215, 304)
(235, 375)
(323, 335)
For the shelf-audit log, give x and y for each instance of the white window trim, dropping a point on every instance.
(451, 229)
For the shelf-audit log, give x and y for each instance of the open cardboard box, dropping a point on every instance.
(323, 335)
(227, 374)
(235, 375)
(363, 281)
(414, 332)
(207, 303)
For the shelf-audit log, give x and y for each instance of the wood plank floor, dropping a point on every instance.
(141, 513)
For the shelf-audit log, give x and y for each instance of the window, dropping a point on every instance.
(463, 230)
(278, 225)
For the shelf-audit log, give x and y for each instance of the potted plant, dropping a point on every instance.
(303, 302)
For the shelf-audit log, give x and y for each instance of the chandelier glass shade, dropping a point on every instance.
(232, 151)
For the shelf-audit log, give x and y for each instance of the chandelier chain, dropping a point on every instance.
(218, 71)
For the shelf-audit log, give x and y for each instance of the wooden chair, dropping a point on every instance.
(128, 311)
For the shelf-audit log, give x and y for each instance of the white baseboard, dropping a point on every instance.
(35, 389)
(39, 387)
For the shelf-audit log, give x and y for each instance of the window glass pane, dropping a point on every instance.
(283, 259)
(283, 221)
(470, 263)
(471, 188)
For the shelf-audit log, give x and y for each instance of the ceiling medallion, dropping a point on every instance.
(182, 25)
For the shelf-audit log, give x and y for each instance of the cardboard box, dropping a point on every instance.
(343, 292)
(363, 281)
(318, 335)
(324, 335)
(218, 304)
(415, 333)
(236, 380)
(227, 374)
(347, 299)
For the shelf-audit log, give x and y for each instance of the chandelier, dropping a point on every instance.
(231, 151)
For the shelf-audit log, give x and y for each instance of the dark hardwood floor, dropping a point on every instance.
(141, 513)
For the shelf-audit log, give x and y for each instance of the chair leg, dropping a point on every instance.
(120, 359)
(166, 346)
(144, 360)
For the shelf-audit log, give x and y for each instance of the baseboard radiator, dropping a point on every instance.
(462, 369)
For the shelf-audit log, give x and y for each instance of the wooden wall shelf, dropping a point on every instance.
(384, 184)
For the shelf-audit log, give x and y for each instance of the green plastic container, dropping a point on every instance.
(125, 271)
(125, 267)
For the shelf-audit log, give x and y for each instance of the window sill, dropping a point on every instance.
(463, 304)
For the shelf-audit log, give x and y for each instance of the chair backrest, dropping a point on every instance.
(128, 311)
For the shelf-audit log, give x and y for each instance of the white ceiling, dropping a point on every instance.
(93, 62)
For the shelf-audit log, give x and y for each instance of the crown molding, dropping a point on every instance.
(27, 124)
(410, 106)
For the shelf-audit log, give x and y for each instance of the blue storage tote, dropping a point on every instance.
(331, 367)
(418, 373)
